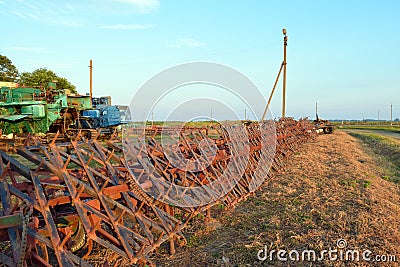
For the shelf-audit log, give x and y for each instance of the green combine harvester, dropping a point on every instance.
(27, 110)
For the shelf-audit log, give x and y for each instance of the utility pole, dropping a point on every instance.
(285, 38)
(245, 114)
(283, 67)
(91, 80)
(391, 113)
(378, 114)
(152, 119)
(211, 117)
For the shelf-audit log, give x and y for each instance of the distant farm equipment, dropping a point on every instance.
(28, 110)
(323, 126)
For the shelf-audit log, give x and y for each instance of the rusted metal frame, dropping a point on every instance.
(137, 236)
(69, 180)
(77, 260)
(237, 192)
(107, 244)
(90, 152)
(114, 171)
(12, 231)
(167, 225)
(15, 165)
(39, 260)
(145, 228)
(195, 178)
(82, 208)
(178, 228)
(7, 260)
(138, 156)
(59, 251)
(162, 166)
(77, 162)
(108, 154)
(174, 219)
(157, 166)
(8, 221)
(211, 166)
(234, 189)
(141, 159)
(290, 142)
(26, 198)
(227, 192)
(108, 220)
(156, 209)
(121, 234)
(140, 194)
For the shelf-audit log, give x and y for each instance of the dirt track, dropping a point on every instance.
(330, 190)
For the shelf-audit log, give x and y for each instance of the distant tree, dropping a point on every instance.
(42, 76)
(8, 72)
(397, 119)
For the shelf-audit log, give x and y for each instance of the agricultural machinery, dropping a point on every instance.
(52, 110)
(322, 125)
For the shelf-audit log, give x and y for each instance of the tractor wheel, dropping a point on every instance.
(87, 134)
(328, 130)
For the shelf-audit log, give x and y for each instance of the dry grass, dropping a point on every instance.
(385, 149)
(331, 189)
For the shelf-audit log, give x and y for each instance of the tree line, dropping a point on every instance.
(39, 77)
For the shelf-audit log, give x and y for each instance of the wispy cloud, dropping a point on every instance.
(79, 13)
(19, 14)
(38, 50)
(127, 26)
(187, 42)
(49, 13)
(142, 5)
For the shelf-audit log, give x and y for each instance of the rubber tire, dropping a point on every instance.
(328, 130)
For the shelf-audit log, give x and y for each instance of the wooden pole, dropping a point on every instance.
(272, 93)
(284, 74)
(91, 80)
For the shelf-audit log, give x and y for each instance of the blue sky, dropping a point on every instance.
(343, 54)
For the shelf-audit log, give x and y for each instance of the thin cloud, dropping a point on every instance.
(38, 50)
(52, 14)
(127, 26)
(78, 13)
(19, 14)
(187, 42)
(143, 5)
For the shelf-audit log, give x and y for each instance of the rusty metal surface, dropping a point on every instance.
(60, 200)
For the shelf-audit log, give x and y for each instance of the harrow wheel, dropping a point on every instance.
(78, 238)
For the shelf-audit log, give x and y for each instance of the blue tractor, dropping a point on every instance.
(103, 116)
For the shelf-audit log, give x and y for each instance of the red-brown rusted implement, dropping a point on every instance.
(62, 200)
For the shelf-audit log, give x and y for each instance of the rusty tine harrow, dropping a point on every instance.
(61, 201)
